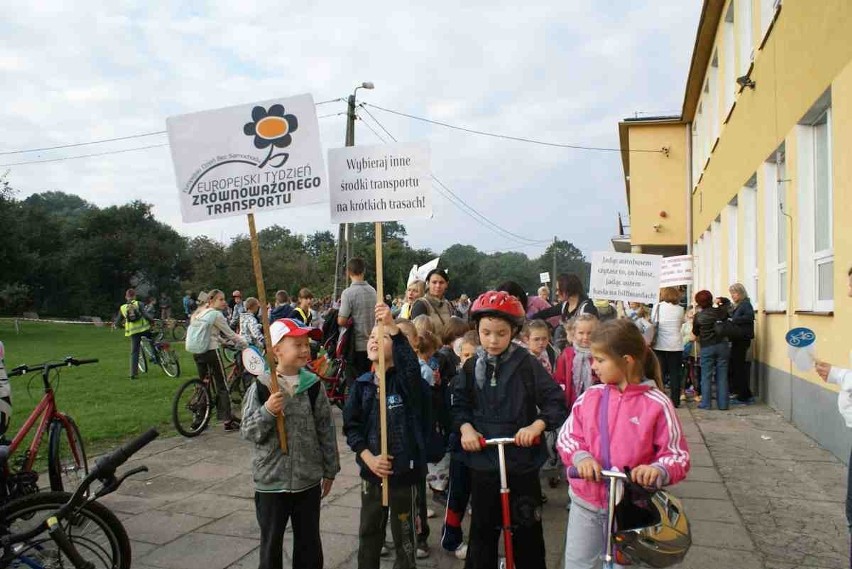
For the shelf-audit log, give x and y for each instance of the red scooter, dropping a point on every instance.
(500, 443)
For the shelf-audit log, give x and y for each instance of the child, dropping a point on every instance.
(643, 431)
(405, 461)
(504, 391)
(302, 312)
(458, 491)
(422, 323)
(574, 371)
(691, 372)
(539, 338)
(290, 485)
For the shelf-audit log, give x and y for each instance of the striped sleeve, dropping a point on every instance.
(571, 443)
(672, 452)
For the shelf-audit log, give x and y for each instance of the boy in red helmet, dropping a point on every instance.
(503, 391)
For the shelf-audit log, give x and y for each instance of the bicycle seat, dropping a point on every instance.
(4, 455)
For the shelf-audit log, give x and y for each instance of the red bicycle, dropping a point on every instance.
(66, 459)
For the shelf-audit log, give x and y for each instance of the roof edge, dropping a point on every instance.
(708, 24)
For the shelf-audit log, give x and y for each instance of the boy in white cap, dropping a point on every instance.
(290, 485)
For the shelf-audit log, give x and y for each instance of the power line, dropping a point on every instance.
(454, 199)
(508, 137)
(144, 134)
(85, 155)
(132, 136)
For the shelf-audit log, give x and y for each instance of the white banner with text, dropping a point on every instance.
(625, 276)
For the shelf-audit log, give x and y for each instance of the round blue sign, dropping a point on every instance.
(800, 337)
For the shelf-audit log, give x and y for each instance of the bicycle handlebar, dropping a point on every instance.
(104, 470)
(483, 442)
(47, 366)
(574, 473)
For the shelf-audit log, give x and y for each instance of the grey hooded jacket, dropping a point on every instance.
(311, 440)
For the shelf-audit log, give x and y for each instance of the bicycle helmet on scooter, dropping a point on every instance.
(498, 304)
(650, 528)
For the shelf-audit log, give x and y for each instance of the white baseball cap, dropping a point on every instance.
(288, 327)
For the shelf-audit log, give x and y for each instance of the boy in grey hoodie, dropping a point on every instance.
(290, 485)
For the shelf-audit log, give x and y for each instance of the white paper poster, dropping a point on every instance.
(676, 271)
(625, 276)
(544, 278)
(248, 158)
(380, 183)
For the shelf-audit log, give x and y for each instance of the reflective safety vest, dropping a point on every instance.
(140, 325)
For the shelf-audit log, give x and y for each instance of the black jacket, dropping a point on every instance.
(704, 325)
(743, 316)
(500, 410)
(408, 417)
(584, 306)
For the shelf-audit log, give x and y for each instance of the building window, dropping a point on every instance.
(743, 23)
(748, 205)
(716, 233)
(767, 14)
(712, 92)
(730, 48)
(775, 186)
(816, 223)
(733, 242)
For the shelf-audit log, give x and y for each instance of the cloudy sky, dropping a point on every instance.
(561, 71)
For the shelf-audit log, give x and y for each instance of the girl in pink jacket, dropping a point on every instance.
(644, 434)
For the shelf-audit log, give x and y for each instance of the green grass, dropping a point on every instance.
(106, 405)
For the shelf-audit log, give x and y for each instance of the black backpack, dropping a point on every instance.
(133, 312)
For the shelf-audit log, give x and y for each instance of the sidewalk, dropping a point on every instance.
(760, 495)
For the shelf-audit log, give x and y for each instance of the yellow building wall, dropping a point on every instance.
(658, 183)
(808, 50)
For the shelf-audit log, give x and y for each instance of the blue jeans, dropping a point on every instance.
(716, 358)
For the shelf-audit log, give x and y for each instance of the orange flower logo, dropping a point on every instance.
(271, 128)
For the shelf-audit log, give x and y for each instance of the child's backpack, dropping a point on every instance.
(133, 313)
(198, 332)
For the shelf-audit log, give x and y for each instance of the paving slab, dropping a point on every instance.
(200, 551)
(205, 470)
(209, 505)
(241, 523)
(159, 527)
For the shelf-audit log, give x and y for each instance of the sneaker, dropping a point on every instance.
(232, 425)
(422, 551)
(134, 377)
(690, 392)
(749, 401)
(430, 513)
(461, 552)
(385, 551)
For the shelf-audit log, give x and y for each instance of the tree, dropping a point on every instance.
(569, 259)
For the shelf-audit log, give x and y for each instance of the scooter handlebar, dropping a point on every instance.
(483, 442)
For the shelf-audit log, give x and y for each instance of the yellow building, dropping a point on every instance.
(768, 180)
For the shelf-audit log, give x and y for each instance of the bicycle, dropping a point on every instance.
(58, 529)
(175, 328)
(66, 460)
(195, 400)
(160, 353)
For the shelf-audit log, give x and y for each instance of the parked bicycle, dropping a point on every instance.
(160, 353)
(58, 529)
(66, 458)
(171, 328)
(195, 400)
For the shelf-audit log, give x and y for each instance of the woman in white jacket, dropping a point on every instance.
(843, 378)
(667, 317)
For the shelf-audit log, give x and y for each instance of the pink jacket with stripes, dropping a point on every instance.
(643, 427)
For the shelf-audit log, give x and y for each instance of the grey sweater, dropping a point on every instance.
(311, 439)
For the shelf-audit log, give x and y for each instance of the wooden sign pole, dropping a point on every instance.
(380, 371)
(270, 357)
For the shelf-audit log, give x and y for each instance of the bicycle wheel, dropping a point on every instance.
(178, 331)
(192, 408)
(170, 363)
(66, 462)
(95, 531)
(142, 362)
(229, 355)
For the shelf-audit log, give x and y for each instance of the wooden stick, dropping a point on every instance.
(380, 371)
(264, 313)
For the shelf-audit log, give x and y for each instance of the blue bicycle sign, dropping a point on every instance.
(800, 337)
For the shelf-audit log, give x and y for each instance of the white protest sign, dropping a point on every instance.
(676, 271)
(248, 158)
(625, 276)
(544, 278)
(380, 183)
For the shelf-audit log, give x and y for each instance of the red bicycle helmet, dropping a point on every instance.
(499, 304)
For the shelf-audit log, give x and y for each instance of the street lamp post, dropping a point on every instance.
(344, 230)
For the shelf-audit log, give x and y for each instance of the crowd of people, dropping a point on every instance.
(567, 381)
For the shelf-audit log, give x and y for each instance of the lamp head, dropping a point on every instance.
(745, 81)
(367, 85)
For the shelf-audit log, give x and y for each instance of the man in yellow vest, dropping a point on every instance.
(136, 326)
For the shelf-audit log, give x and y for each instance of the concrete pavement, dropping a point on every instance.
(760, 494)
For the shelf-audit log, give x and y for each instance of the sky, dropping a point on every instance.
(562, 71)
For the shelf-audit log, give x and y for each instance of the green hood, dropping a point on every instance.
(306, 380)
